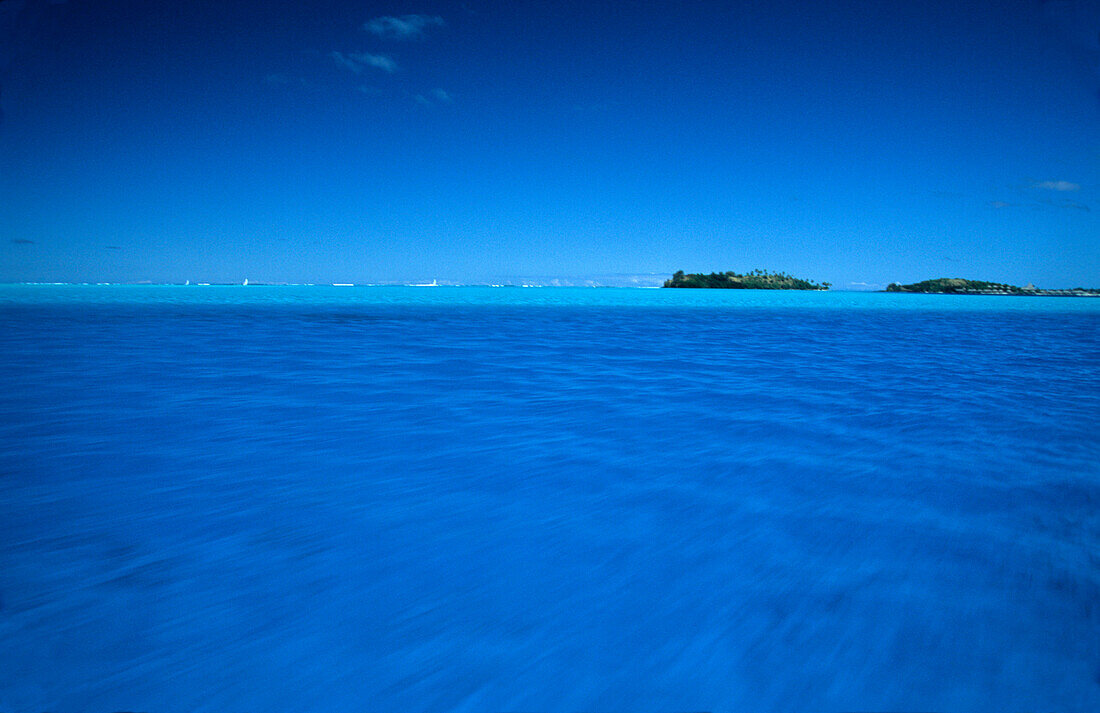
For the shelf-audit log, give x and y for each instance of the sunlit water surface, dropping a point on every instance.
(400, 499)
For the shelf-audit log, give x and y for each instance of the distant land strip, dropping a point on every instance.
(755, 280)
(959, 286)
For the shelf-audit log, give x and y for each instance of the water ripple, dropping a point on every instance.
(256, 498)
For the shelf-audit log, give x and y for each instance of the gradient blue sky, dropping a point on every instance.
(855, 142)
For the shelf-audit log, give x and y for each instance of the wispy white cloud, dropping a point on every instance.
(1057, 186)
(434, 97)
(406, 27)
(345, 62)
(1044, 203)
(358, 61)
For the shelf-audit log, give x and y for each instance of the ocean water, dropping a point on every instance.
(464, 499)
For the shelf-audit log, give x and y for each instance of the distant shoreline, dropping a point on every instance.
(960, 286)
(755, 280)
(941, 286)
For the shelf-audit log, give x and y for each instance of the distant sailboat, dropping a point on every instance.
(245, 281)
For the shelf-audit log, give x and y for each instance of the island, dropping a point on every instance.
(959, 286)
(755, 280)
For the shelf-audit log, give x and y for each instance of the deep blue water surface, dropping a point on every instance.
(398, 499)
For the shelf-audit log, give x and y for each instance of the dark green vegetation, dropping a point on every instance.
(755, 280)
(959, 286)
(955, 285)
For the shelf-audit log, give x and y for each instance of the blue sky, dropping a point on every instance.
(854, 142)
